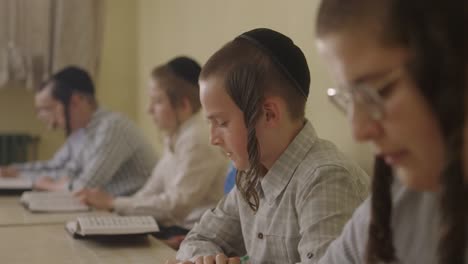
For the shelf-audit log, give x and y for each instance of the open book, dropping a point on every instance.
(52, 202)
(15, 184)
(111, 225)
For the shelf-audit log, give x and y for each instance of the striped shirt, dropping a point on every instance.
(187, 181)
(305, 199)
(109, 153)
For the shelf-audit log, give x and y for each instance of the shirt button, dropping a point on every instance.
(260, 235)
(310, 255)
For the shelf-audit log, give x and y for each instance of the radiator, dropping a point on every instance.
(17, 148)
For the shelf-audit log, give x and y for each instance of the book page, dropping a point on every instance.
(15, 183)
(116, 225)
(52, 202)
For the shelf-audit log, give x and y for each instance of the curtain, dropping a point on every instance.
(39, 37)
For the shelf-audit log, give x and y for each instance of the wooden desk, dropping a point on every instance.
(8, 200)
(12, 213)
(52, 244)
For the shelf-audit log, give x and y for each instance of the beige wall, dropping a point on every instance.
(116, 82)
(199, 28)
(117, 79)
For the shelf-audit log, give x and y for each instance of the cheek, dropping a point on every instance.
(241, 141)
(160, 111)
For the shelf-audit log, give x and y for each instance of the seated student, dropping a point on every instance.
(294, 190)
(102, 149)
(403, 65)
(188, 178)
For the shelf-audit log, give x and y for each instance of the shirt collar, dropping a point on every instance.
(96, 117)
(278, 177)
(181, 130)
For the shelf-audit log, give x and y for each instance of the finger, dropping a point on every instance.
(221, 259)
(199, 260)
(94, 190)
(209, 260)
(80, 192)
(234, 261)
(82, 198)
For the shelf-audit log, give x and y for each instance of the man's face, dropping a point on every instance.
(49, 110)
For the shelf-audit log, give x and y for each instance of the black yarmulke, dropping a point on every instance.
(75, 79)
(287, 56)
(185, 68)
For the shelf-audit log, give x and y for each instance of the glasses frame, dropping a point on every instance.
(364, 95)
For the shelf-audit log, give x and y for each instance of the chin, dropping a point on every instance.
(415, 180)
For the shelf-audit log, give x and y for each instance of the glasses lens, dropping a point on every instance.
(361, 97)
(339, 98)
(369, 100)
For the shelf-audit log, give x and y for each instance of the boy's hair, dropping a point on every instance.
(65, 83)
(181, 78)
(259, 63)
(435, 33)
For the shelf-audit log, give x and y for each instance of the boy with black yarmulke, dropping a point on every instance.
(294, 191)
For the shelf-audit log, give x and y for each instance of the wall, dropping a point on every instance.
(199, 28)
(141, 34)
(117, 80)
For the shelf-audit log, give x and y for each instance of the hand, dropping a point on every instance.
(8, 171)
(218, 259)
(47, 183)
(96, 198)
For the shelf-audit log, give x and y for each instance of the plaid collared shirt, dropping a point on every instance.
(305, 200)
(109, 153)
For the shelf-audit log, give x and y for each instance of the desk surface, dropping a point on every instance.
(52, 244)
(12, 213)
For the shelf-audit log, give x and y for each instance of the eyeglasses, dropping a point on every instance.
(370, 98)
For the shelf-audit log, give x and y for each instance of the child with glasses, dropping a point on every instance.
(294, 191)
(401, 72)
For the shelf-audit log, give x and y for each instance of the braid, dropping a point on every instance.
(380, 242)
(246, 78)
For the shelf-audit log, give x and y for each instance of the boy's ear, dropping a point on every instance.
(186, 106)
(271, 111)
(75, 99)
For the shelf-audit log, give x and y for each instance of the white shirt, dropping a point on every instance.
(186, 182)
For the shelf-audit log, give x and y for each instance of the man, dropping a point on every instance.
(102, 149)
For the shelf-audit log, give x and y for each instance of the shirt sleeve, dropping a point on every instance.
(219, 231)
(326, 203)
(111, 147)
(60, 165)
(198, 166)
(349, 247)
